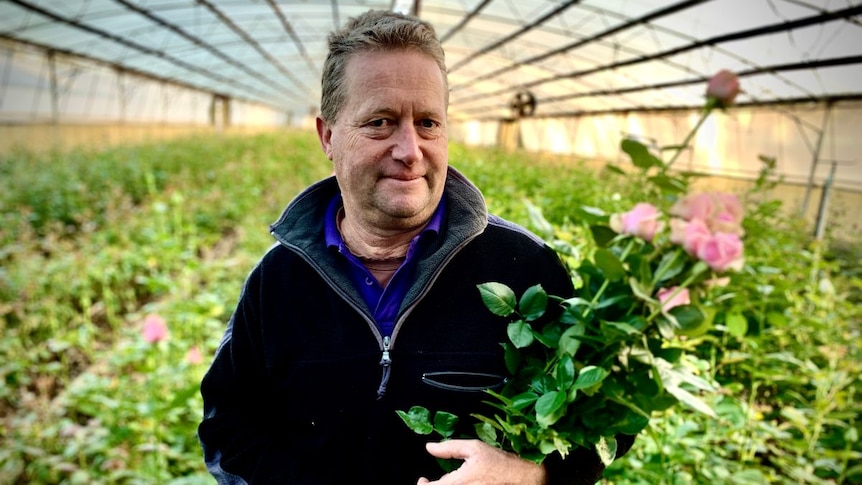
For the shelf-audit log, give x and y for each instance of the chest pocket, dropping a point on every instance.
(464, 381)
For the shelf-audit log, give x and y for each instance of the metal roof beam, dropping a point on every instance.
(202, 44)
(136, 46)
(832, 99)
(515, 35)
(594, 38)
(253, 43)
(292, 33)
(837, 61)
(464, 21)
(769, 29)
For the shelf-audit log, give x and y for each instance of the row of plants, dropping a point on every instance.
(118, 270)
(96, 247)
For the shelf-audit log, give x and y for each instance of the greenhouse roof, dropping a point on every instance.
(574, 57)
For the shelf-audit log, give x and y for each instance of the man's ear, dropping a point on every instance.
(324, 134)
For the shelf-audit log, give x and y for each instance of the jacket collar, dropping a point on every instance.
(301, 227)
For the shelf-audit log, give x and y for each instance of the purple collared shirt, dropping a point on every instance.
(383, 302)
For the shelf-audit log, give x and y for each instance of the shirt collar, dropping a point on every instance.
(334, 239)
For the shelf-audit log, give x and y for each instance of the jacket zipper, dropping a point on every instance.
(386, 361)
(386, 341)
(386, 364)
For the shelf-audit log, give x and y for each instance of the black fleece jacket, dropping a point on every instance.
(294, 393)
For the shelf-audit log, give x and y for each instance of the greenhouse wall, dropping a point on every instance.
(51, 100)
(727, 144)
(727, 148)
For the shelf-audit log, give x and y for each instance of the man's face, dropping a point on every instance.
(389, 146)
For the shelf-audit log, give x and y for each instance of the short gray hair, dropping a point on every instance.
(374, 31)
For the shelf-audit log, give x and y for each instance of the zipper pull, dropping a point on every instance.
(385, 360)
(385, 363)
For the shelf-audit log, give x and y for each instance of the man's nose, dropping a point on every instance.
(406, 147)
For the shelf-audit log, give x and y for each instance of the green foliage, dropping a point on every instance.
(772, 414)
(93, 242)
(168, 229)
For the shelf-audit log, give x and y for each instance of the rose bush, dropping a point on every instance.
(588, 368)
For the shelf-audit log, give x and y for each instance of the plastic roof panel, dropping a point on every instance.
(587, 56)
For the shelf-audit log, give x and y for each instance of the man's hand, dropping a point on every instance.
(484, 465)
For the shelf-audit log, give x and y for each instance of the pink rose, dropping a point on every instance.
(729, 216)
(694, 206)
(194, 356)
(669, 300)
(155, 330)
(691, 235)
(725, 222)
(722, 88)
(731, 204)
(721, 251)
(642, 221)
(722, 212)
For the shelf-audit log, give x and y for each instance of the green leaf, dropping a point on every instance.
(640, 291)
(666, 327)
(486, 433)
(603, 235)
(590, 376)
(521, 401)
(607, 449)
(688, 317)
(512, 357)
(520, 334)
(614, 169)
(737, 324)
(776, 319)
(671, 265)
(611, 301)
(549, 407)
(609, 264)
(533, 303)
(669, 185)
(538, 221)
(570, 341)
(418, 419)
(444, 423)
(592, 215)
(631, 423)
(620, 327)
(640, 154)
(690, 400)
(565, 372)
(498, 298)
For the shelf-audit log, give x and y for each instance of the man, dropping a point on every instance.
(369, 304)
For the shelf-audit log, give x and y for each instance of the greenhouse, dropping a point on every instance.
(147, 145)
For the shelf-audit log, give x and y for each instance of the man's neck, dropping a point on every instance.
(374, 244)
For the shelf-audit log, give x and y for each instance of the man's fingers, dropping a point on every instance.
(460, 449)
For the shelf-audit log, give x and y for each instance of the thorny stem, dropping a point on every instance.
(605, 283)
(695, 272)
(704, 114)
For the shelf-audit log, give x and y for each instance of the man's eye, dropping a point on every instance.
(428, 124)
(377, 123)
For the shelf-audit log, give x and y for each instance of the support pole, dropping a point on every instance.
(123, 95)
(55, 88)
(810, 184)
(822, 210)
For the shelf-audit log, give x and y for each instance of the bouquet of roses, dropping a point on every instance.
(610, 357)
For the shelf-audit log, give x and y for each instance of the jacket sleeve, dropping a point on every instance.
(240, 446)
